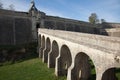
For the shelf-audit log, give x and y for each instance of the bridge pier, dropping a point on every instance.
(63, 61)
(46, 50)
(57, 67)
(52, 55)
(81, 68)
(45, 55)
(40, 52)
(50, 64)
(42, 47)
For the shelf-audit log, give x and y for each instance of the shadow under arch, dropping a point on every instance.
(83, 68)
(39, 44)
(53, 54)
(47, 49)
(117, 71)
(111, 74)
(39, 41)
(42, 46)
(64, 61)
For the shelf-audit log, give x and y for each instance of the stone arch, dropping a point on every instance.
(64, 60)
(42, 46)
(46, 50)
(53, 54)
(83, 68)
(110, 74)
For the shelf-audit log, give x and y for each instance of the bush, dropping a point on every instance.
(15, 53)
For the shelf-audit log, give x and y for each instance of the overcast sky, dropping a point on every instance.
(74, 9)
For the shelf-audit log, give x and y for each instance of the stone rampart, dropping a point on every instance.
(15, 27)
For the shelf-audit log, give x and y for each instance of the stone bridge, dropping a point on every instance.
(71, 54)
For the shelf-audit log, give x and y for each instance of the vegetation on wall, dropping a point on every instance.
(13, 53)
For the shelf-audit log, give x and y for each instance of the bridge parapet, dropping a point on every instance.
(108, 44)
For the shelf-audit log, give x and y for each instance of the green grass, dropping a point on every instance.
(33, 69)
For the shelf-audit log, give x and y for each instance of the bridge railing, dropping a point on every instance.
(97, 41)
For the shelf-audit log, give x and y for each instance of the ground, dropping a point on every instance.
(33, 69)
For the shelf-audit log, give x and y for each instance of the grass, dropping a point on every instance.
(33, 69)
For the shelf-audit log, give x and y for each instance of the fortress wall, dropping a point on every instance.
(70, 25)
(13, 13)
(110, 25)
(23, 30)
(15, 27)
(6, 31)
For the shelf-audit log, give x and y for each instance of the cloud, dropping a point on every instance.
(20, 5)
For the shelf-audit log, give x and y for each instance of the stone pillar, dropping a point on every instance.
(46, 50)
(63, 61)
(53, 55)
(58, 71)
(99, 75)
(50, 57)
(41, 52)
(80, 70)
(42, 47)
(45, 55)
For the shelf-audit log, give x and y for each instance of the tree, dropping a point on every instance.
(1, 5)
(11, 7)
(93, 19)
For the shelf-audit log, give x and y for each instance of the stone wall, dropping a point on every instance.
(15, 27)
(59, 23)
(110, 25)
(110, 29)
(113, 32)
(21, 27)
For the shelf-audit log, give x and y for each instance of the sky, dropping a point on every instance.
(73, 9)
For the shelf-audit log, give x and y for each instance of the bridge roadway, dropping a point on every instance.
(70, 54)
